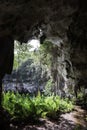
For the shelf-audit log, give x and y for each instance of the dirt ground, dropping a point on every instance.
(75, 120)
(70, 121)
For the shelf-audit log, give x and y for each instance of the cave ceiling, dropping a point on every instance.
(63, 19)
(21, 18)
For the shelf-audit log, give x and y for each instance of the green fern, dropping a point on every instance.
(23, 106)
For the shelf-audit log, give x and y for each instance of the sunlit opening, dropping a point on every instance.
(35, 44)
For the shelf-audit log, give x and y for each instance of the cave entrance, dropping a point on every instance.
(23, 78)
(38, 67)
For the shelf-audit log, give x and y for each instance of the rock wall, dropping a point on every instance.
(65, 20)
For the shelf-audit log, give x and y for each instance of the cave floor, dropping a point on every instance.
(74, 120)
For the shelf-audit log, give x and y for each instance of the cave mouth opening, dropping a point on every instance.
(28, 74)
(38, 67)
(24, 58)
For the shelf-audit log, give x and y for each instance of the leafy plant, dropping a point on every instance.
(23, 106)
(48, 87)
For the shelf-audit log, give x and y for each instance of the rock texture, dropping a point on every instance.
(77, 33)
(24, 19)
(21, 18)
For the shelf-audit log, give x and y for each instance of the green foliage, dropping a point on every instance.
(21, 53)
(78, 127)
(23, 106)
(66, 105)
(46, 51)
(86, 117)
(80, 95)
(48, 87)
